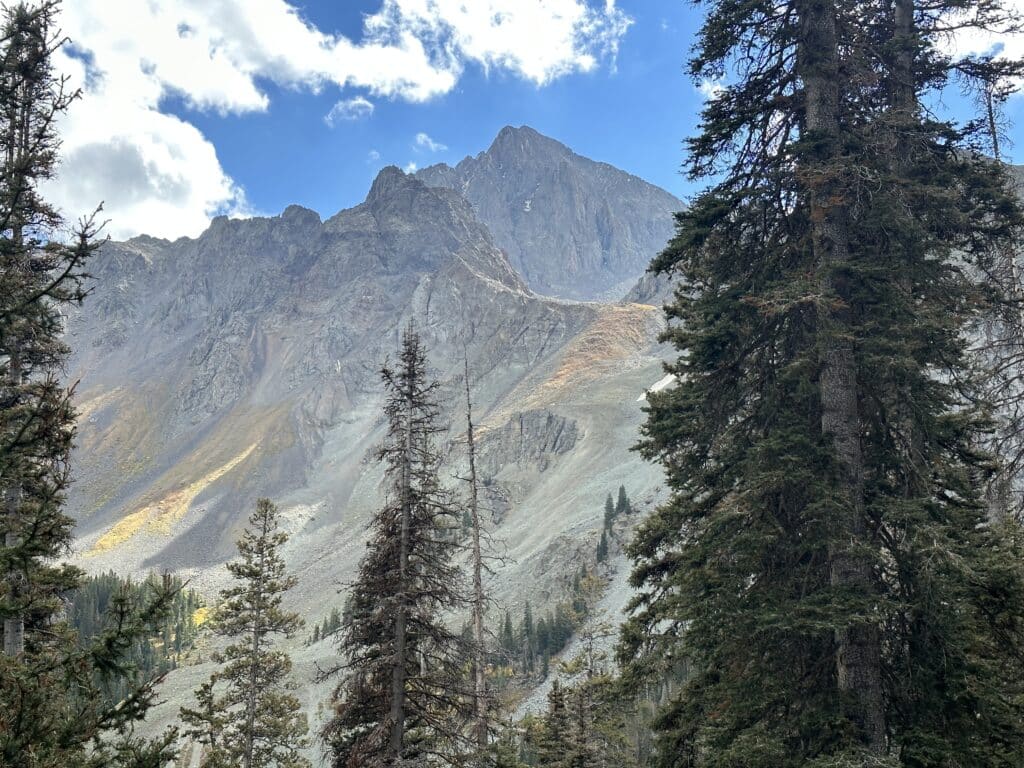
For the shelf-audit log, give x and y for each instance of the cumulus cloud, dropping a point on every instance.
(998, 44)
(214, 55)
(410, 167)
(709, 89)
(349, 109)
(423, 141)
(372, 156)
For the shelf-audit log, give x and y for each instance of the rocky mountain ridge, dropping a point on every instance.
(571, 227)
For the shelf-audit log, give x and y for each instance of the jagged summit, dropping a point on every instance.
(300, 215)
(389, 179)
(572, 227)
(525, 143)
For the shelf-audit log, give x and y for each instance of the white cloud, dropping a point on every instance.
(538, 40)
(998, 44)
(159, 174)
(423, 141)
(152, 171)
(355, 108)
(709, 89)
(372, 156)
(410, 167)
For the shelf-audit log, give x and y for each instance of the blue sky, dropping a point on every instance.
(198, 107)
(632, 112)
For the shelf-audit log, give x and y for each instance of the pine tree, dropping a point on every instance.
(333, 622)
(87, 615)
(505, 751)
(602, 547)
(825, 563)
(403, 693)
(54, 707)
(555, 732)
(622, 504)
(508, 639)
(609, 512)
(256, 722)
(481, 705)
(527, 646)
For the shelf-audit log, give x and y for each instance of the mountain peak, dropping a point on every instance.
(301, 216)
(390, 179)
(572, 227)
(524, 141)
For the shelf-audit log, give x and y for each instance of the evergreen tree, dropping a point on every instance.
(553, 745)
(508, 639)
(527, 646)
(333, 622)
(505, 751)
(54, 710)
(609, 512)
(622, 504)
(602, 547)
(88, 613)
(825, 562)
(403, 693)
(257, 722)
(481, 704)
(543, 635)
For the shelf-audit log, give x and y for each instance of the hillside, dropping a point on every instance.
(245, 363)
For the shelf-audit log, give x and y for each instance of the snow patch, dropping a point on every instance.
(662, 383)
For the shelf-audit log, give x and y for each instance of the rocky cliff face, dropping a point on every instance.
(571, 227)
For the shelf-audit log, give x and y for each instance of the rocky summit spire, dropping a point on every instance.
(571, 227)
(390, 178)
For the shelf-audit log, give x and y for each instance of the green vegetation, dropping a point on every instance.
(826, 564)
(246, 714)
(57, 687)
(404, 692)
(150, 656)
(612, 511)
(329, 626)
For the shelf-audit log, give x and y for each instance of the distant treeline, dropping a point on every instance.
(175, 634)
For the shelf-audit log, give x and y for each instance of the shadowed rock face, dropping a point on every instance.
(571, 227)
(534, 437)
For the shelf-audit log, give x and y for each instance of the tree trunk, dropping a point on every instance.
(398, 668)
(858, 646)
(479, 684)
(251, 696)
(14, 626)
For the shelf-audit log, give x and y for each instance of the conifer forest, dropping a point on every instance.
(510, 458)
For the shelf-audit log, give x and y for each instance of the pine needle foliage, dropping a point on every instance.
(825, 564)
(256, 722)
(55, 707)
(404, 695)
